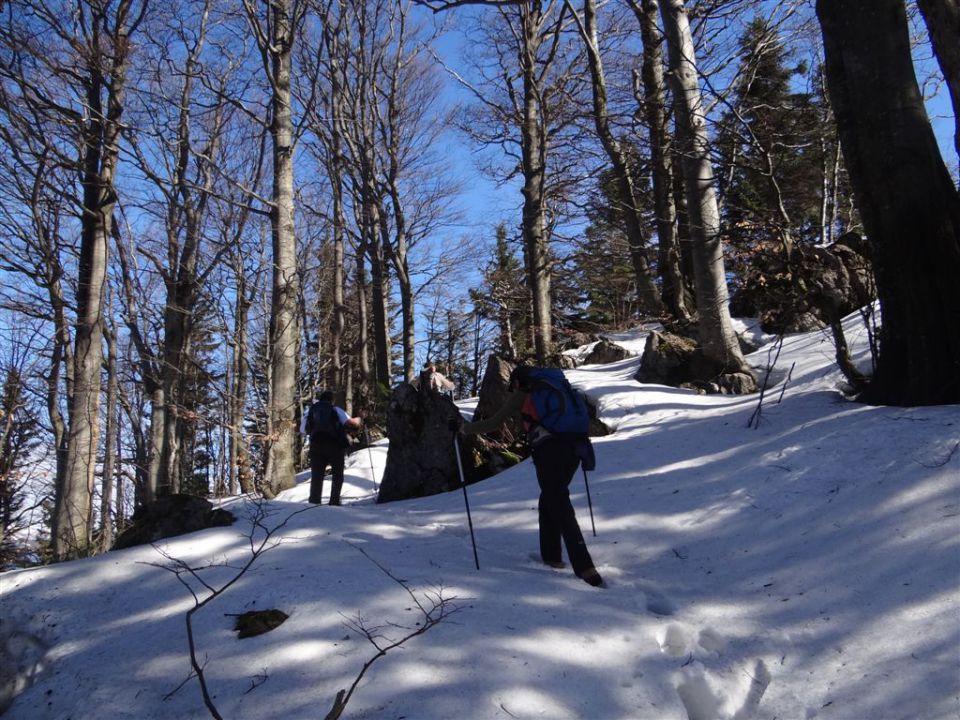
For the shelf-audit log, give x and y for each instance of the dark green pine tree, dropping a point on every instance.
(200, 414)
(503, 299)
(600, 266)
(771, 153)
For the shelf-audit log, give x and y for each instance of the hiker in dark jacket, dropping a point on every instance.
(327, 426)
(556, 462)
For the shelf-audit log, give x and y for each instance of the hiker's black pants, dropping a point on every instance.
(323, 452)
(556, 464)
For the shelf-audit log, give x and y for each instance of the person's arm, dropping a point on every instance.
(350, 423)
(445, 382)
(510, 407)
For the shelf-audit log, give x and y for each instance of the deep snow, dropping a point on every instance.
(806, 568)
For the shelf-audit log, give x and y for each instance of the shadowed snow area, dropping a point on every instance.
(804, 568)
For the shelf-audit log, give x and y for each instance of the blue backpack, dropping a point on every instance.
(560, 409)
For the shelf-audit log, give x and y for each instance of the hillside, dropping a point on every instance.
(804, 568)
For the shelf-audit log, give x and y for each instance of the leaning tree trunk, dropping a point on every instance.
(648, 297)
(717, 338)
(909, 205)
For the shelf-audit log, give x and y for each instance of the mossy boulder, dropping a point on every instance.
(171, 515)
(258, 622)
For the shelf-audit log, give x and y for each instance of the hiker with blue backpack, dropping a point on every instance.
(327, 426)
(556, 420)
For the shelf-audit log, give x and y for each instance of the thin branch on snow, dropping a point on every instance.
(434, 609)
(754, 420)
(186, 573)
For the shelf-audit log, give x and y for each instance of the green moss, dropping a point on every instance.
(510, 457)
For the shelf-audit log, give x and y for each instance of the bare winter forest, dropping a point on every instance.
(210, 210)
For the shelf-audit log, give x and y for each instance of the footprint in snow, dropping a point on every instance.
(727, 691)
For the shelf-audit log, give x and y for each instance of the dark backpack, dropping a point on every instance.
(323, 422)
(561, 410)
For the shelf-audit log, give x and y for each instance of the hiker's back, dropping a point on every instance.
(324, 423)
(558, 407)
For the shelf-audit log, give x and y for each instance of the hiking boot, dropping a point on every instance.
(591, 577)
(559, 564)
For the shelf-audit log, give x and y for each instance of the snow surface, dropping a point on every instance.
(805, 568)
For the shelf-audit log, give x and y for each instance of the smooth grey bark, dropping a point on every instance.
(275, 35)
(533, 142)
(107, 50)
(653, 99)
(110, 446)
(648, 297)
(717, 337)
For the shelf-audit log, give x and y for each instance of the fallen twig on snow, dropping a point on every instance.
(440, 608)
(184, 572)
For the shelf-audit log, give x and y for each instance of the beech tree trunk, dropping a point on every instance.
(648, 297)
(909, 205)
(717, 338)
(533, 143)
(654, 102)
(110, 447)
(107, 48)
(275, 37)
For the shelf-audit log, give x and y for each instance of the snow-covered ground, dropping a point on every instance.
(805, 568)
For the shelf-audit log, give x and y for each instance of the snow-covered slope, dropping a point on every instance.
(804, 568)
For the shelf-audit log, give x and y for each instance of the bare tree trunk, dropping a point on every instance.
(654, 102)
(61, 364)
(533, 144)
(363, 333)
(717, 338)
(648, 297)
(275, 37)
(158, 483)
(106, 75)
(397, 251)
(684, 241)
(379, 297)
(335, 171)
(240, 474)
(943, 24)
(338, 322)
(110, 448)
(909, 205)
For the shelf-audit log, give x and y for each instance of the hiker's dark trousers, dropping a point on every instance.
(556, 464)
(323, 452)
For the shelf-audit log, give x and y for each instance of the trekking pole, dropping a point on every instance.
(589, 503)
(373, 474)
(466, 501)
